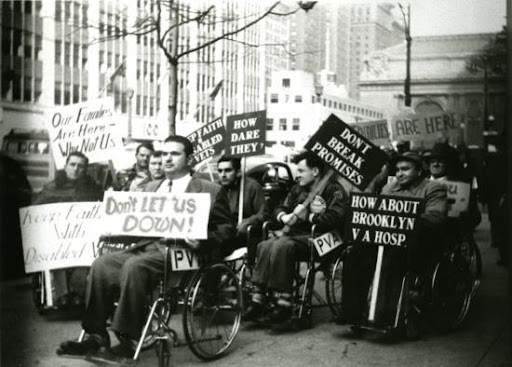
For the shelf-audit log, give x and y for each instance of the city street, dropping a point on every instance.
(29, 339)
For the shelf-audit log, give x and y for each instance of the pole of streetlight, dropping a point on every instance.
(408, 39)
(486, 95)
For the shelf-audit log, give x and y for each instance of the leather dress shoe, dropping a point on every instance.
(87, 346)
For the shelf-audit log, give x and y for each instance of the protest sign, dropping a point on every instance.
(88, 127)
(245, 134)
(375, 131)
(426, 127)
(151, 214)
(208, 140)
(350, 154)
(458, 197)
(327, 242)
(383, 220)
(59, 235)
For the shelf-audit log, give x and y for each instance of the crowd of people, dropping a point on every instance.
(133, 271)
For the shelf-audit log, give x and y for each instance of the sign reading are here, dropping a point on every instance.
(353, 156)
(59, 235)
(151, 214)
(245, 134)
(425, 127)
(88, 127)
(383, 220)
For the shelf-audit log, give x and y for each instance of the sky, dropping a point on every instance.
(443, 17)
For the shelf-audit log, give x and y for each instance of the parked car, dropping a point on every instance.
(274, 176)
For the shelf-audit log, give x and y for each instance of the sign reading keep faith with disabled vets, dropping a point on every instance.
(208, 140)
(245, 134)
(383, 220)
(59, 235)
(151, 214)
(88, 127)
(351, 155)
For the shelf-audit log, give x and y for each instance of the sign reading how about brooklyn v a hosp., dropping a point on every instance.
(88, 127)
(245, 134)
(353, 156)
(383, 220)
(151, 214)
(208, 140)
(59, 235)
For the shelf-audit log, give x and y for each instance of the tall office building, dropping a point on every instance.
(64, 52)
(373, 26)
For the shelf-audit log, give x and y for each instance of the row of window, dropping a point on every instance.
(274, 98)
(283, 124)
(353, 109)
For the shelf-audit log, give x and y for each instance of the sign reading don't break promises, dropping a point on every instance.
(150, 214)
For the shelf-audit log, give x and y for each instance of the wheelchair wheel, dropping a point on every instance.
(470, 251)
(333, 284)
(213, 311)
(452, 285)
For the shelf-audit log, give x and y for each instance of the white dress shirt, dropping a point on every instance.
(178, 185)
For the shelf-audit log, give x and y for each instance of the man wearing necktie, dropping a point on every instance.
(135, 270)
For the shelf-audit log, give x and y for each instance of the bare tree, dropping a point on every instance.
(169, 16)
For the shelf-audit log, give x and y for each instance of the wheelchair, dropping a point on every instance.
(304, 296)
(441, 298)
(210, 297)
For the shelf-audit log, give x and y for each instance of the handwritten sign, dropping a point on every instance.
(327, 242)
(375, 131)
(150, 214)
(59, 235)
(426, 127)
(383, 220)
(245, 134)
(458, 197)
(88, 127)
(349, 153)
(208, 140)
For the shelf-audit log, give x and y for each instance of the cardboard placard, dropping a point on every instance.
(327, 242)
(151, 214)
(375, 131)
(88, 127)
(348, 152)
(246, 134)
(382, 219)
(208, 140)
(425, 127)
(458, 197)
(60, 235)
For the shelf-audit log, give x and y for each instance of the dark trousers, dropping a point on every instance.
(276, 259)
(131, 274)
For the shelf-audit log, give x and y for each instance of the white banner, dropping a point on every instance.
(59, 235)
(151, 214)
(88, 127)
(327, 242)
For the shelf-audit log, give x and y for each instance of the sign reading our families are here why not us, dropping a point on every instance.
(60, 235)
(88, 127)
(150, 214)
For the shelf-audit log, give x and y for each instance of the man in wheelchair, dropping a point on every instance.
(276, 257)
(357, 273)
(134, 271)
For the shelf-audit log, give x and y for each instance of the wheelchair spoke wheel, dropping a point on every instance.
(470, 251)
(212, 312)
(451, 292)
(333, 286)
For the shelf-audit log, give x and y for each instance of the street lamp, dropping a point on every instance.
(129, 95)
(408, 39)
(319, 90)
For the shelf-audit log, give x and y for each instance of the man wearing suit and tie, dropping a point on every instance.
(135, 270)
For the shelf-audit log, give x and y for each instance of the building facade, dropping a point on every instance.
(440, 81)
(299, 102)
